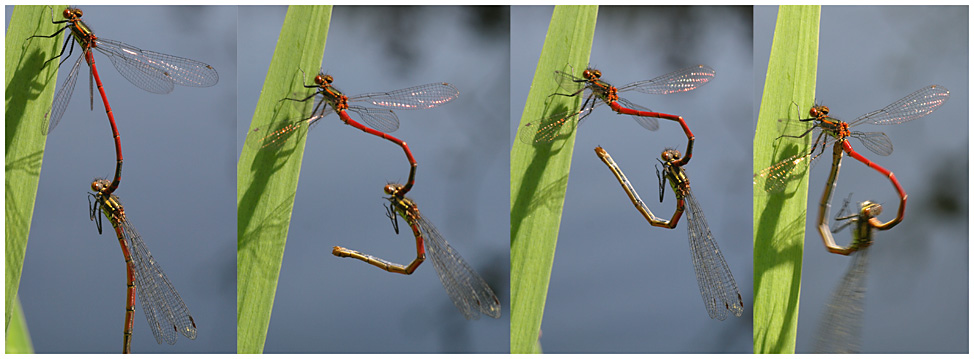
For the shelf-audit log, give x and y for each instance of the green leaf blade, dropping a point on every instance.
(18, 337)
(30, 93)
(267, 179)
(539, 175)
(779, 218)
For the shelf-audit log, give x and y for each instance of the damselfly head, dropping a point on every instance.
(591, 74)
(819, 111)
(72, 13)
(323, 79)
(670, 155)
(870, 209)
(100, 184)
(392, 188)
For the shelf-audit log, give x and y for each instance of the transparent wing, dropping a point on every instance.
(776, 177)
(380, 119)
(569, 82)
(469, 292)
(717, 285)
(63, 96)
(412, 98)
(556, 126)
(877, 142)
(278, 134)
(649, 123)
(913, 106)
(164, 309)
(681, 80)
(841, 329)
(156, 72)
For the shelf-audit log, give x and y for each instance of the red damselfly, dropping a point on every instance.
(149, 70)
(164, 309)
(829, 130)
(717, 285)
(600, 92)
(380, 120)
(470, 293)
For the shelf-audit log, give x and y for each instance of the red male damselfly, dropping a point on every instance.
(149, 70)
(828, 130)
(152, 71)
(601, 92)
(380, 120)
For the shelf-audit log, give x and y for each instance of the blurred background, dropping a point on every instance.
(177, 187)
(619, 285)
(916, 296)
(327, 304)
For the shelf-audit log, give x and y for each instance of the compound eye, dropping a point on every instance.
(670, 155)
(875, 209)
(818, 111)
